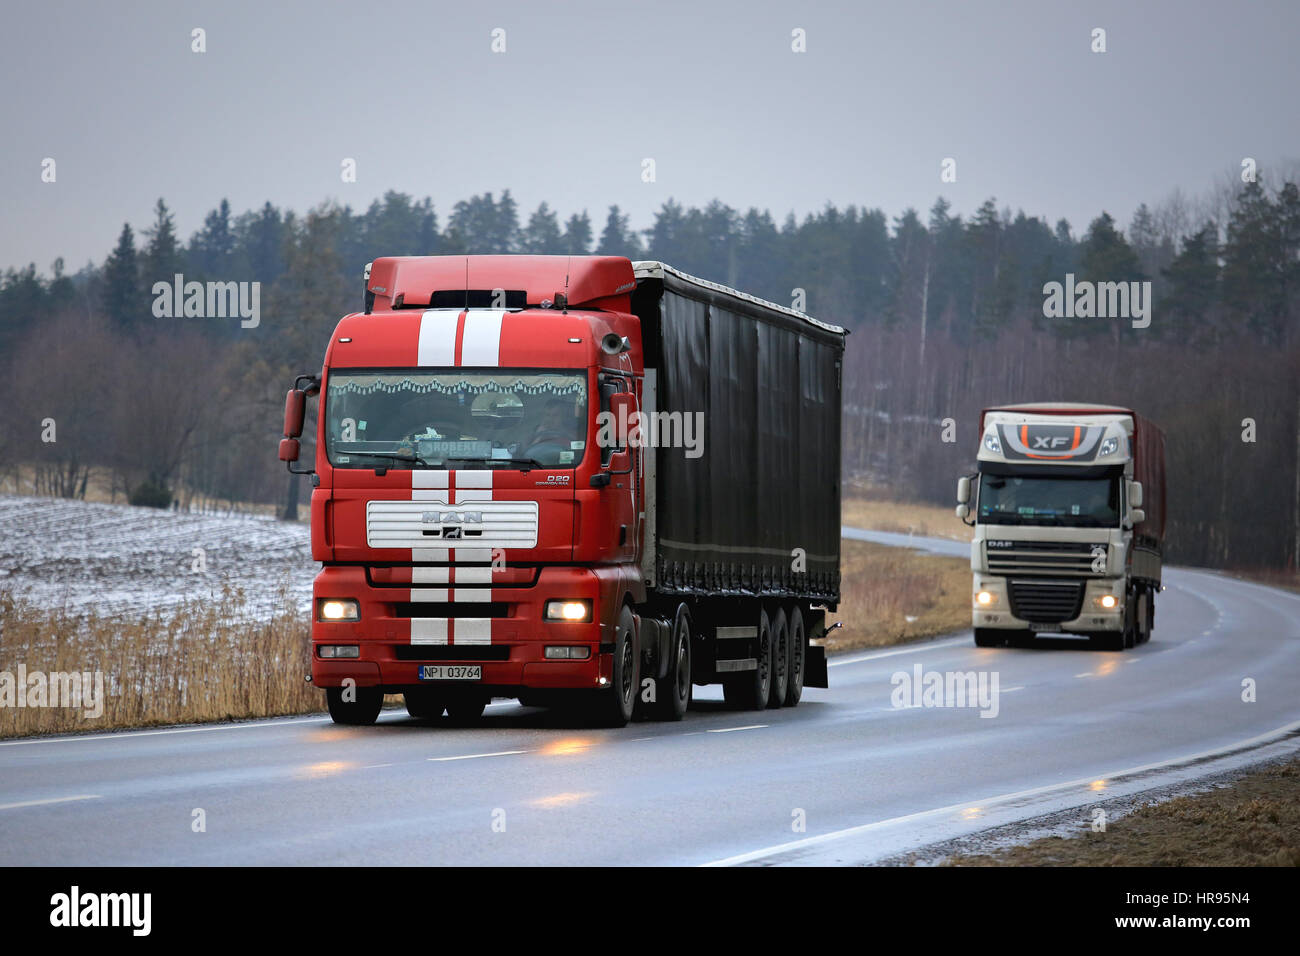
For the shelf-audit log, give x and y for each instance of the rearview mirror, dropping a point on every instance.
(963, 512)
(963, 490)
(295, 410)
(289, 449)
(1136, 516)
(622, 406)
(1135, 494)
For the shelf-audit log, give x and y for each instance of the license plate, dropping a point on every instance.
(451, 672)
(1043, 627)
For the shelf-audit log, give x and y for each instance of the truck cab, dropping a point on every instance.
(1062, 543)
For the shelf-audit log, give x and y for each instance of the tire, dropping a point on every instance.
(360, 712)
(780, 660)
(1129, 635)
(749, 690)
(1147, 616)
(674, 695)
(989, 637)
(798, 654)
(613, 707)
(425, 703)
(465, 709)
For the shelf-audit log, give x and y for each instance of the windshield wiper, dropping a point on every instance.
(509, 461)
(392, 456)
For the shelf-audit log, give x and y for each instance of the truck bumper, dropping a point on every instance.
(402, 628)
(996, 612)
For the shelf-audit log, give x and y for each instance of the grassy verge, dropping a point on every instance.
(1254, 821)
(198, 663)
(894, 595)
(904, 517)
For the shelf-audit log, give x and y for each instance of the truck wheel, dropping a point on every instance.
(359, 712)
(749, 690)
(674, 697)
(989, 637)
(1129, 636)
(464, 709)
(1146, 616)
(798, 651)
(613, 707)
(780, 681)
(424, 704)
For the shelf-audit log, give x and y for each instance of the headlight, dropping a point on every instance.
(1107, 601)
(338, 609)
(571, 611)
(564, 652)
(992, 444)
(340, 650)
(986, 599)
(1109, 447)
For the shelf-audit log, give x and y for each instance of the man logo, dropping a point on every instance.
(452, 517)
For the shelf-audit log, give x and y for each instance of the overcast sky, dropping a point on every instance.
(585, 91)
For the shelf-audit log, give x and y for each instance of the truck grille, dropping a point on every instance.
(1046, 602)
(1072, 558)
(472, 524)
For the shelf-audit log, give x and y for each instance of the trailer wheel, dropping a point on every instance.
(359, 712)
(780, 681)
(613, 707)
(424, 703)
(798, 652)
(749, 690)
(675, 698)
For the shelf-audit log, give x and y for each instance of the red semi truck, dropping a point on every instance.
(570, 480)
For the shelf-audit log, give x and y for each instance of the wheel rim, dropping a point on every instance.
(796, 659)
(625, 668)
(780, 652)
(765, 659)
(683, 666)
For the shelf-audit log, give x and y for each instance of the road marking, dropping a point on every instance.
(1086, 674)
(1007, 690)
(42, 803)
(120, 735)
(376, 766)
(727, 730)
(902, 650)
(499, 753)
(1265, 738)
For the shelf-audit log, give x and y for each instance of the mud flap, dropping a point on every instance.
(814, 673)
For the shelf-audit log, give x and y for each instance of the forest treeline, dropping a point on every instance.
(946, 311)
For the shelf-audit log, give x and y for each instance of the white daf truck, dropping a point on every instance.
(1068, 506)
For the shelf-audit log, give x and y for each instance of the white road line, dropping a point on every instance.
(987, 802)
(1007, 690)
(499, 753)
(42, 803)
(125, 734)
(934, 646)
(727, 730)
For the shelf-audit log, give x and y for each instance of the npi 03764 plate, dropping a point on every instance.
(451, 672)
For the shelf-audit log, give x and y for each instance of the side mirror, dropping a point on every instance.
(622, 405)
(963, 491)
(295, 411)
(963, 511)
(1136, 516)
(1135, 494)
(289, 449)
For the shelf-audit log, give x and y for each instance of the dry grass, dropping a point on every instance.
(905, 517)
(894, 595)
(200, 663)
(1255, 821)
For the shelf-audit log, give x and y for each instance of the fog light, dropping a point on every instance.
(565, 652)
(986, 599)
(336, 609)
(571, 611)
(340, 650)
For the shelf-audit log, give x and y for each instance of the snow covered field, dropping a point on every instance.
(121, 559)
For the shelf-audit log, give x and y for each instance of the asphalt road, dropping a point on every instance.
(863, 777)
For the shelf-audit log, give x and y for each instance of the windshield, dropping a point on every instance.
(1084, 503)
(456, 418)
